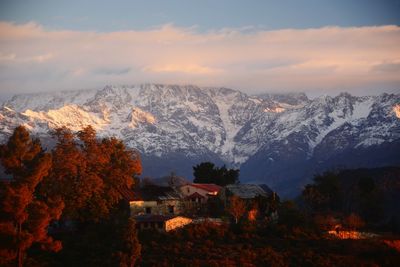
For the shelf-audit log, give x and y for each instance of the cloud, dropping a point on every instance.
(35, 58)
(387, 67)
(112, 71)
(188, 68)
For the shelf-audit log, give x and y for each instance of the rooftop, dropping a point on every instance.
(249, 190)
(207, 187)
(155, 193)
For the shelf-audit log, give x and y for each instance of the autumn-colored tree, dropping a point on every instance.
(326, 222)
(122, 165)
(236, 207)
(89, 173)
(354, 222)
(253, 213)
(111, 163)
(25, 215)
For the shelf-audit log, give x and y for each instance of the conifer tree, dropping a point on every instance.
(89, 173)
(25, 215)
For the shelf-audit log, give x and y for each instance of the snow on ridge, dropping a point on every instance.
(224, 103)
(49, 100)
(138, 116)
(158, 118)
(71, 116)
(361, 110)
(274, 110)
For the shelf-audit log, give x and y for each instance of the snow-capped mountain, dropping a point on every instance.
(280, 139)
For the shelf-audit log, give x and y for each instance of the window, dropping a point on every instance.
(148, 210)
(171, 209)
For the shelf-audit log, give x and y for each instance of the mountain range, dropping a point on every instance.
(278, 139)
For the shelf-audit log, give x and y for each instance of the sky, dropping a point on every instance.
(313, 46)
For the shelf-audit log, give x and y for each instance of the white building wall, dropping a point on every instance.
(176, 223)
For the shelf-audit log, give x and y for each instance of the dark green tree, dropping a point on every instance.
(325, 194)
(207, 172)
(370, 200)
(204, 173)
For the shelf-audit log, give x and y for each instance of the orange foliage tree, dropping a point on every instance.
(236, 208)
(89, 173)
(25, 215)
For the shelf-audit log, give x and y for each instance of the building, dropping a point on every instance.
(261, 195)
(162, 223)
(199, 193)
(245, 191)
(153, 199)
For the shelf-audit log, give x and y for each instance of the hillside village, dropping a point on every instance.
(165, 208)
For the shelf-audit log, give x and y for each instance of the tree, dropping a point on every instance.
(24, 214)
(236, 207)
(325, 194)
(204, 173)
(370, 199)
(207, 172)
(89, 173)
(131, 248)
(69, 177)
(290, 215)
(354, 222)
(122, 165)
(326, 222)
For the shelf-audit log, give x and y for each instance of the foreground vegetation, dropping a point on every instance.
(211, 245)
(64, 208)
(66, 201)
(294, 241)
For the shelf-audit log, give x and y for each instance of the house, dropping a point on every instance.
(245, 191)
(199, 193)
(153, 199)
(162, 223)
(265, 198)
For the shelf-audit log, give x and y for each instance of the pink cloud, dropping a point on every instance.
(326, 57)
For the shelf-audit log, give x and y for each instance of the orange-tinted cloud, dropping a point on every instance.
(291, 59)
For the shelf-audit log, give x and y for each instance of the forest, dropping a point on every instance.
(64, 207)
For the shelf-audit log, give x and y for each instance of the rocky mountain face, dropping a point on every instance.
(278, 139)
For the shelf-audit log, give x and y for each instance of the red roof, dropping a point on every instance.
(207, 187)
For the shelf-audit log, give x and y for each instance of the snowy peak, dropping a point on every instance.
(162, 119)
(70, 116)
(46, 101)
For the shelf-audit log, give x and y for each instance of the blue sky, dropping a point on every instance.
(100, 15)
(320, 47)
